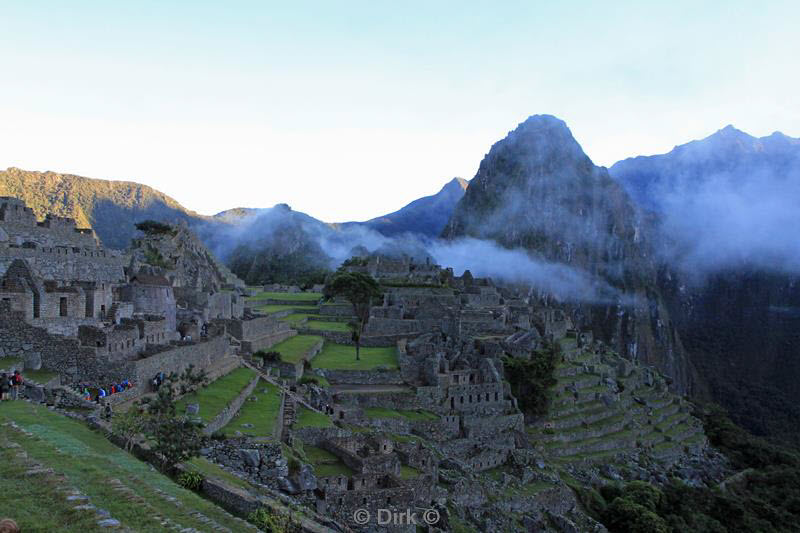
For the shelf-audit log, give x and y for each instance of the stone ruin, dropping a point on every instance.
(97, 316)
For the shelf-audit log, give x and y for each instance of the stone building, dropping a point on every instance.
(97, 316)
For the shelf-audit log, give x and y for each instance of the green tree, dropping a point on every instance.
(627, 516)
(177, 438)
(531, 378)
(361, 290)
(129, 425)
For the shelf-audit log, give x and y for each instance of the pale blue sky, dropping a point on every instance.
(347, 110)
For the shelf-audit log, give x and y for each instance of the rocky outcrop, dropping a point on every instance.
(537, 190)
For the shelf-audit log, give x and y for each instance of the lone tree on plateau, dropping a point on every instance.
(358, 289)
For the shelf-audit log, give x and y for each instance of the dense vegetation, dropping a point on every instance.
(153, 227)
(531, 378)
(304, 266)
(763, 496)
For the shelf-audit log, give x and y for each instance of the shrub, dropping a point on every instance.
(531, 378)
(191, 480)
(269, 357)
(627, 516)
(643, 493)
(153, 227)
(272, 522)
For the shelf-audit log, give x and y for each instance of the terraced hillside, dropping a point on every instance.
(603, 407)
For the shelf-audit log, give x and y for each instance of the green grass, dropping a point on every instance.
(215, 397)
(7, 363)
(211, 470)
(40, 376)
(409, 472)
(325, 463)
(382, 412)
(295, 320)
(341, 357)
(38, 505)
(322, 325)
(275, 308)
(261, 413)
(307, 418)
(287, 296)
(320, 380)
(89, 462)
(295, 348)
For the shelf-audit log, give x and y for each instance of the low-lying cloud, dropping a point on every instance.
(280, 230)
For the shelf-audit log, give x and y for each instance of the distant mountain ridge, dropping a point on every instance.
(425, 216)
(111, 208)
(727, 208)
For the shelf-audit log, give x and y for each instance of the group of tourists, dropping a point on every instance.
(102, 392)
(10, 383)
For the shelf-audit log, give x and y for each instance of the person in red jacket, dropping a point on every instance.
(16, 384)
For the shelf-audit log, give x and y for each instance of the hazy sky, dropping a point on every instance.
(347, 110)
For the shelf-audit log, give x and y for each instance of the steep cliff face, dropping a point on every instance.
(727, 211)
(536, 189)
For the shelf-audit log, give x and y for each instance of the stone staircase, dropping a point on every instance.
(289, 414)
(598, 412)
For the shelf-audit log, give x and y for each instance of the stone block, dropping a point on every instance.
(33, 361)
(250, 457)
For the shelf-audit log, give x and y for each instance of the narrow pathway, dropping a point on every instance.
(285, 390)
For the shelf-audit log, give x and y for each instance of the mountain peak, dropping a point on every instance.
(456, 184)
(731, 133)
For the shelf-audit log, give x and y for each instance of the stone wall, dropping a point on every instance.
(64, 264)
(258, 333)
(364, 377)
(202, 355)
(227, 413)
(152, 300)
(66, 326)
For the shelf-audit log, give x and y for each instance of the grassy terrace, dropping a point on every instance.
(382, 412)
(325, 463)
(261, 413)
(322, 325)
(287, 296)
(213, 398)
(341, 357)
(296, 319)
(307, 418)
(88, 462)
(7, 363)
(409, 472)
(209, 469)
(276, 308)
(39, 376)
(295, 348)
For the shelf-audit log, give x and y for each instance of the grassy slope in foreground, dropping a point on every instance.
(89, 462)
